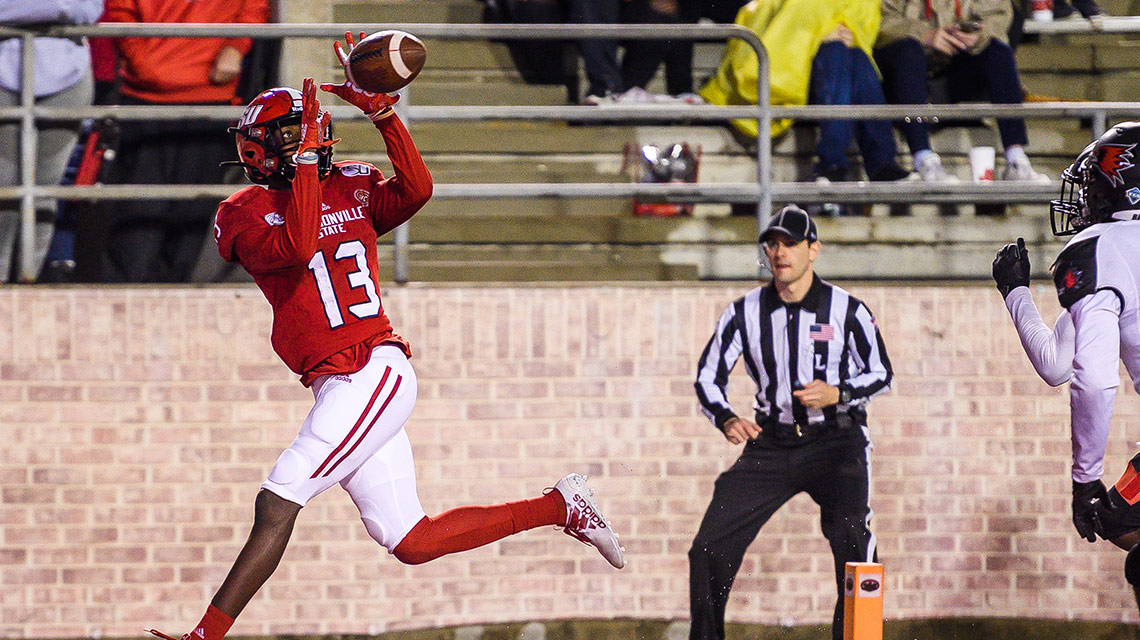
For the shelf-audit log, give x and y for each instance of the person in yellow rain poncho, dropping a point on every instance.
(819, 52)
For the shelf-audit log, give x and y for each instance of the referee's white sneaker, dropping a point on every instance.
(585, 521)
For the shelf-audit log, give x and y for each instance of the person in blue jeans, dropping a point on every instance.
(841, 74)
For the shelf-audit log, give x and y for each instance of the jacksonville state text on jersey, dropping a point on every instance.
(1096, 282)
(329, 301)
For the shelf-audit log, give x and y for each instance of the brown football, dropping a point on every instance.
(386, 61)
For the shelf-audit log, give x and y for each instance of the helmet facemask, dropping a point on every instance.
(270, 133)
(1068, 214)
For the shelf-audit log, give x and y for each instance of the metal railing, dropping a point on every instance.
(762, 192)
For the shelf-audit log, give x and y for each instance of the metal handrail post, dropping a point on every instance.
(763, 150)
(1099, 124)
(400, 235)
(24, 267)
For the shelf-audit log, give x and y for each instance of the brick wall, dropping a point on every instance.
(136, 425)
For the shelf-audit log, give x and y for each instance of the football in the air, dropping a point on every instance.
(386, 61)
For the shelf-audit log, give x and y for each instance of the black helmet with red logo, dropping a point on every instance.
(268, 135)
(1101, 184)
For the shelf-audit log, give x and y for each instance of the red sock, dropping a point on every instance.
(470, 527)
(538, 512)
(214, 625)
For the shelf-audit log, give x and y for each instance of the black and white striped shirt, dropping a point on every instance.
(829, 335)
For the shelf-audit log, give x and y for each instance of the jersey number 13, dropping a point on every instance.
(361, 278)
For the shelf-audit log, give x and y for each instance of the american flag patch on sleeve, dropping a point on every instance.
(821, 332)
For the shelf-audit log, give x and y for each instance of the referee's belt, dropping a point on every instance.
(790, 432)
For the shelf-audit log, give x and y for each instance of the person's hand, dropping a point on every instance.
(1011, 267)
(841, 34)
(967, 38)
(313, 120)
(227, 66)
(817, 394)
(738, 430)
(1088, 499)
(376, 105)
(948, 40)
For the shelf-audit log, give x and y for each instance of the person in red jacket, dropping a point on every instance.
(160, 240)
(309, 241)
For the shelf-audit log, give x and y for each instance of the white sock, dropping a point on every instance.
(1015, 154)
(921, 156)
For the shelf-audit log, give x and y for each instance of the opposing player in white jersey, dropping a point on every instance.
(1096, 276)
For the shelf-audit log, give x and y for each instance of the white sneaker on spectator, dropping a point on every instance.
(1022, 171)
(595, 101)
(830, 209)
(636, 95)
(689, 98)
(930, 169)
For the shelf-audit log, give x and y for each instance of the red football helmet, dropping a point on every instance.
(269, 133)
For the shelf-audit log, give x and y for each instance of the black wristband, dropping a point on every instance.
(723, 418)
(844, 393)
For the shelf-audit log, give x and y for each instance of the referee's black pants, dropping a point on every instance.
(833, 469)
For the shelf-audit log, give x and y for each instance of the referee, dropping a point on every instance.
(816, 357)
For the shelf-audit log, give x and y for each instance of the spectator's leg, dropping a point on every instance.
(598, 56)
(136, 227)
(831, 85)
(876, 138)
(679, 62)
(193, 158)
(53, 146)
(903, 65)
(997, 69)
(643, 57)
(133, 247)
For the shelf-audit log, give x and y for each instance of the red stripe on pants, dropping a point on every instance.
(384, 406)
(359, 421)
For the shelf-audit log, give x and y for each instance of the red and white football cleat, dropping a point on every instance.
(585, 521)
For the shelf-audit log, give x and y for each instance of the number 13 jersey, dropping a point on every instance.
(327, 301)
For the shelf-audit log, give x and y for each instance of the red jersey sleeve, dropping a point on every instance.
(267, 240)
(396, 199)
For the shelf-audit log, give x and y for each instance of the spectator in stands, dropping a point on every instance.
(819, 51)
(159, 241)
(964, 41)
(625, 82)
(61, 78)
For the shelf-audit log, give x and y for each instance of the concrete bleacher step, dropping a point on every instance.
(465, 263)
(551, 209)
(538, 138)
(491, 93)
(409, 11)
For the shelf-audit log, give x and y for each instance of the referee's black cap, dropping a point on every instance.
(793, 222)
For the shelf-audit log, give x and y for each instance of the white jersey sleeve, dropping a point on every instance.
(1095, 283)
(1096, 367)
(1049, 351)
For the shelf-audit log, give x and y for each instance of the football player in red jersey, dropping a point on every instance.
(308, 237)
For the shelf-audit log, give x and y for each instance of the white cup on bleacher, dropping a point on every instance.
(982, 164)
